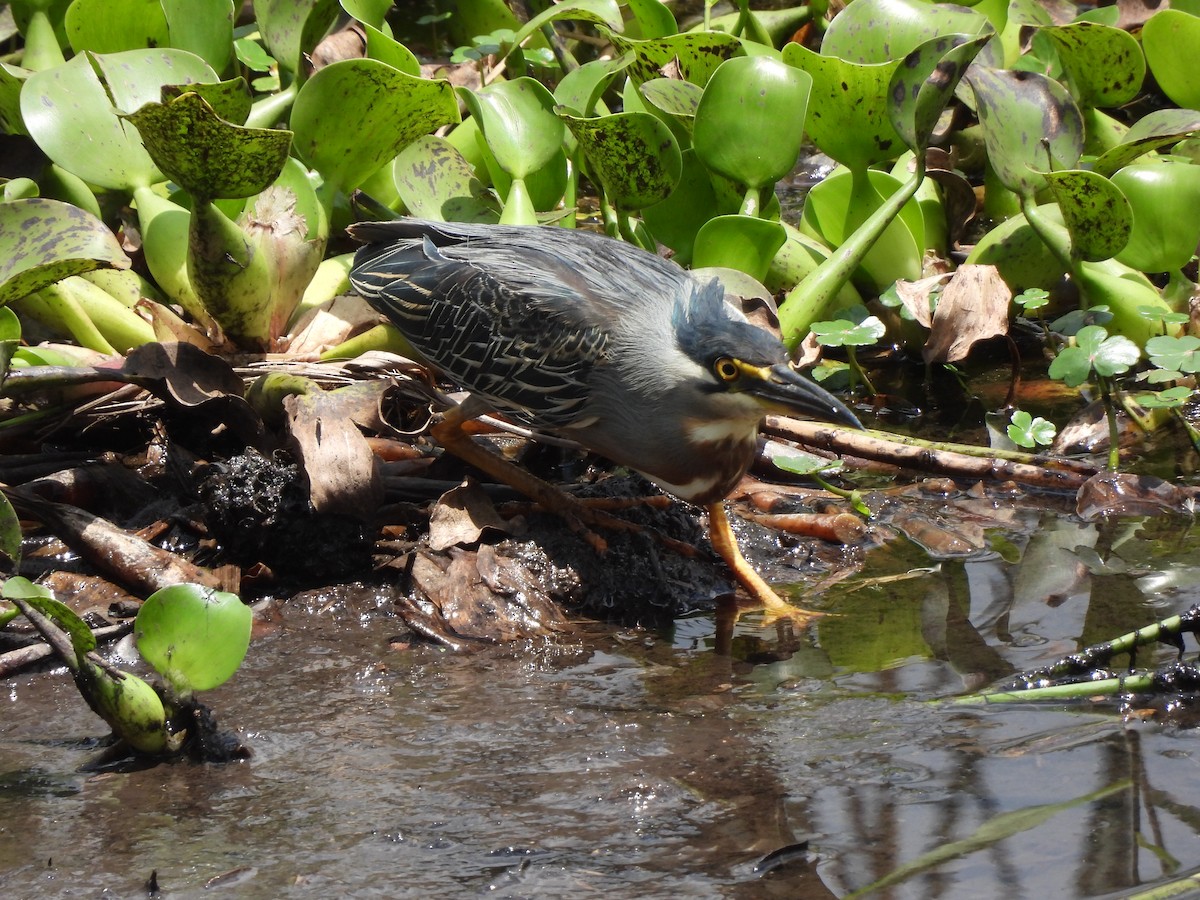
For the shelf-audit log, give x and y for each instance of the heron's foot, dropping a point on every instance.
(762, 596)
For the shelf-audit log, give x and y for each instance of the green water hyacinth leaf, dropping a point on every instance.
(231, 100)
(674, 97)
(925, 82)
(1094, 350)
(292, 28)
(195, 637)
(749, 125)
(1104, 66)
(697, 55)
(1095, 212)
(600, 12)
(1181, 354)
(110, 26)
(436, 182)
(10, 523)
(203, 27)
(676, 220)
(354, 116)
(876, 31)
(1169, 39)
(71, 111)
(37, 596)
(518, 123)
(745, 243)
(207, 156)
(1165, 198)
(632, 155)
(1160, 128)
(1030, 126)
(849, 115)
(44, 241)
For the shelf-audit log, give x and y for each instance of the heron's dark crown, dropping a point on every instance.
(706, 328)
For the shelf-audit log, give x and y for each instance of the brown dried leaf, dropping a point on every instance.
(477, 595)
(185, 376)
(973, 307)
(460, 517)
(914, 296)
(342, 472)
(329, 324)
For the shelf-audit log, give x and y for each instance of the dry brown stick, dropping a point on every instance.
(870, 446)
(125, 558)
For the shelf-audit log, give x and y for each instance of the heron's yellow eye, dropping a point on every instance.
(726, 369)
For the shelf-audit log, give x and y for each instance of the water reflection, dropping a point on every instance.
(626, 763)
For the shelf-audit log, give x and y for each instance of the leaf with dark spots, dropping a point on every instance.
(206, 155)
(44, 241)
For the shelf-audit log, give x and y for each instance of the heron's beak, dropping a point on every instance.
(787, 391)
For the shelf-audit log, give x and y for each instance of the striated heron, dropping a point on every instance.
(595, 340)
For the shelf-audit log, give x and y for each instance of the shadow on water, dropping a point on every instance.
(629, 763)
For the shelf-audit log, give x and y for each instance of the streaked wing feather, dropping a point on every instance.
(526, 351)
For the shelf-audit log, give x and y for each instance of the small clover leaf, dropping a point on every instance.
(1094, 350)
(844, 333)
(1168, 399)
(1032, 299)
(1027, 431)
(1179, 353)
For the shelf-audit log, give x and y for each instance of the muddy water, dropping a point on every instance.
(648, 764)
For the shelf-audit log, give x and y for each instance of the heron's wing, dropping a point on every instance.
(507, 319)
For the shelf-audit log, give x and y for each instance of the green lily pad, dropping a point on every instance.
(71, 111)
(207, 156)
(745, 243)
(848, 116)
(1169, 39)
(1164, 198)
(44, 241)
(632, 155)
(1104, 65)
(195, 637)
(1094, 210)
(1030, 126)
(353, 116)
(749, 125)
(436, 182)
(846, 333)
(696, 55)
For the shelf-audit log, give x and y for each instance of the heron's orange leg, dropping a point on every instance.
(760, 592)
(450, 434)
